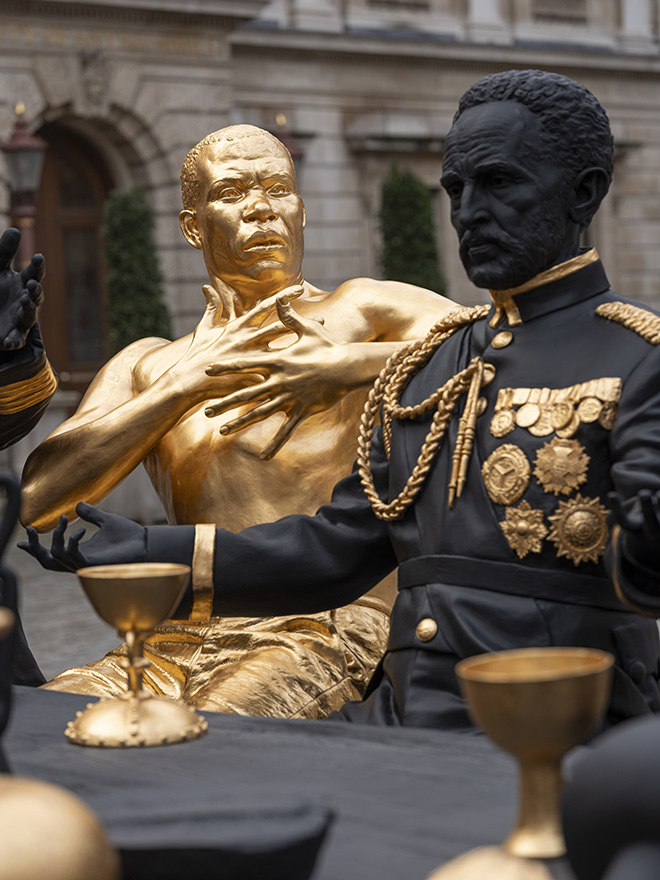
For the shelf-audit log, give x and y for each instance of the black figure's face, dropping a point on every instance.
(509, 205)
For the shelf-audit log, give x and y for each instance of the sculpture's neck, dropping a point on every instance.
(238, 300)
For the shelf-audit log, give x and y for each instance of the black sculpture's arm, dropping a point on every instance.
(297, 565)
(634, 553)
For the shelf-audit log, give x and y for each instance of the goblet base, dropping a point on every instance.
(130, 719)
(491, 862)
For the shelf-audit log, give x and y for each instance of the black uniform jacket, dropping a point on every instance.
(473, 585)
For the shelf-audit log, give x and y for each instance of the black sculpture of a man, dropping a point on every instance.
(502, 436)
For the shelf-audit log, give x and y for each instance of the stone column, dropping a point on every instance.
(277, 12)
(316, 15)
(485, 23)
(636, 26)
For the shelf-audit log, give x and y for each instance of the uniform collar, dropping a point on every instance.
(553, 289)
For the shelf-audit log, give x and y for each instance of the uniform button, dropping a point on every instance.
(637, 671)
(426, 629)
(501, 340)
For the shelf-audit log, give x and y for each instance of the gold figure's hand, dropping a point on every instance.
(213, 342)
(21, 293)
(305, 378)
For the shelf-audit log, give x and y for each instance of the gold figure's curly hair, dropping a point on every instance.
(233, 136)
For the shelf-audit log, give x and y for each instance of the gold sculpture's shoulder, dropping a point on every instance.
(393, 309)
(637, 318)
(154, 357)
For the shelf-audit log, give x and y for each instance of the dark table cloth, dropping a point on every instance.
(398, 802)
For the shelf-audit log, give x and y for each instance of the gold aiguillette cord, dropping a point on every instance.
(466, 430)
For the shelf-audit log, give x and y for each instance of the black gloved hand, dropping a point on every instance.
(21, 293)
(117, 540)
(639, 518)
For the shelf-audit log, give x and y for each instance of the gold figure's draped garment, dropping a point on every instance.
(297, 666)
(318, 662)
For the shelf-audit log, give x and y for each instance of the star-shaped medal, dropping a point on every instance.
(524, 529)
(561, 466)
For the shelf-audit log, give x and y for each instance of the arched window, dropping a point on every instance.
(74, 187)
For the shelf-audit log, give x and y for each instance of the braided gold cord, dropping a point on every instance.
(387, 390)
(634, 318)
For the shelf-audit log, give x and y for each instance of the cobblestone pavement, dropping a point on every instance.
(62, 628)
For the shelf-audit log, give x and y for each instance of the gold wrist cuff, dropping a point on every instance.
(202, 572)
(22, 395)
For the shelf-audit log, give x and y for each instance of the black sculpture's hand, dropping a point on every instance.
(639, 518)
(117, 540)
(21, 293)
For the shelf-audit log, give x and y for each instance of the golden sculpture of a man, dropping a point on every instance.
(293, 407)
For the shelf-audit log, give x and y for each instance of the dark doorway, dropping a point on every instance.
(74, 187)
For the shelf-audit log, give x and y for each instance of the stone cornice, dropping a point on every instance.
(187, 13)
(433, 51)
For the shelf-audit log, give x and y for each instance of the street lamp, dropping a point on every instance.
(24, 154)
(284, 135)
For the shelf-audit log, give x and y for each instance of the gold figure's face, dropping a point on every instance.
(249, 219)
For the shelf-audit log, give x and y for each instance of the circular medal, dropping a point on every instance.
(489, 374)
(589, 409)
(561, 414)
(543, 425)
(570, 428)
(528, 414)
(506, 474)
(608, 415)
(502, 423)
(579, 529)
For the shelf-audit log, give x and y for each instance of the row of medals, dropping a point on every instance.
(561, 417)
(578, 528)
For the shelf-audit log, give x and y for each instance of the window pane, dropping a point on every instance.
(74, 186)
(84, 308)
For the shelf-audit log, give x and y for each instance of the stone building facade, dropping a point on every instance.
(121, 89)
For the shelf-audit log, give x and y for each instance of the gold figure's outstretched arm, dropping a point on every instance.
(115, 426)
(316, 371)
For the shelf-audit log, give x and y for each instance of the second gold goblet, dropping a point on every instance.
(536, 703)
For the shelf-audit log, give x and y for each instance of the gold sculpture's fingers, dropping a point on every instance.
(256, 414)
(259, 313)
(267, 334)
(288, 315)
(285, 430)
(265, 362)
(250, 394)
(213, 309)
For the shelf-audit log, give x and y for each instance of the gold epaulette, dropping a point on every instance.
(458, 318)
(634, 318)
(18, 396)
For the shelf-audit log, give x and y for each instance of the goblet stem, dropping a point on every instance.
(538, 833)
(136, 661)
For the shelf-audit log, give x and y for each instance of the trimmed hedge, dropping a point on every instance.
(136, 307)
(409, 251)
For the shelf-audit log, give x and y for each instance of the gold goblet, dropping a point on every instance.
(536, 703)
(135, 599)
